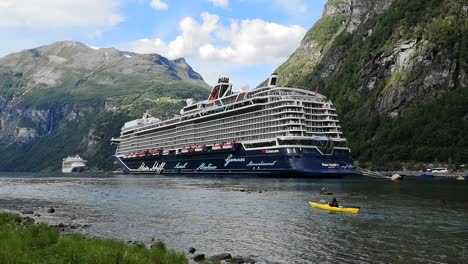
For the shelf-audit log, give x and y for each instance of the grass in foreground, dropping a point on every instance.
(22, 241)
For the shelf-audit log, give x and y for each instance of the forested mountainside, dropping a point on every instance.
(397, 72)
(67, 98)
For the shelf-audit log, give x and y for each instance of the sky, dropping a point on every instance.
(245, 40)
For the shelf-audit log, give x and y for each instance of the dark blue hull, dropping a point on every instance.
(282, 162)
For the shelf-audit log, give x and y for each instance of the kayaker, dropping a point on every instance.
(333, 203)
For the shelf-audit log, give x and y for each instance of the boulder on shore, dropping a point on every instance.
(240, 259)
(27, 212)
(199, 258)
(219, 257)
(28, 219)
(191, 250)
(51, 210)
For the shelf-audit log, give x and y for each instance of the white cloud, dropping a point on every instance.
(248, 42)
(255, 42)
(115, 19)
(214, 50)
(193, 36)
(220, 3)
(53, 14)
(292, 7)
(95, 35)
(159, 5)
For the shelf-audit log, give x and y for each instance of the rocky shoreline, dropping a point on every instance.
(193, 255)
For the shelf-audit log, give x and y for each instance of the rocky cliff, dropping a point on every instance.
(397, 71)
(58, 99)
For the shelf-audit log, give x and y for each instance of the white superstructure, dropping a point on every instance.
(73, 164)
(266, 117)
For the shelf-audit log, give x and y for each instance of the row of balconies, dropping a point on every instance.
(219, 128)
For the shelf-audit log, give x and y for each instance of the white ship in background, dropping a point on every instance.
(73, 164)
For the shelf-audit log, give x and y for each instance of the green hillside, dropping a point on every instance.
(67, 98)
(397, 75)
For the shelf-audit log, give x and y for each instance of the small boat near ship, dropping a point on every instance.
(440, 170)
(73, 164)
(326, 207)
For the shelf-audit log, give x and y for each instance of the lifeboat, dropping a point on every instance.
(184, 150)
(227, 146)
(199, 149)
(155, 152)
(216, 147)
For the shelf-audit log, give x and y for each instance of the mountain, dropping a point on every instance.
(66, 98)
(397, 72)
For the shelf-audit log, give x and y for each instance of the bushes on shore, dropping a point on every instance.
(22, 241)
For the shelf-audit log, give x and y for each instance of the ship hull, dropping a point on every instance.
(74, 169)
(281, 162)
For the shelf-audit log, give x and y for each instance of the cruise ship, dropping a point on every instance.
(271, 130)
(73, 164)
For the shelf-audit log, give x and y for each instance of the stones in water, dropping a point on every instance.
(222, 256)
(27, 212)
(249, 191)
(249, 260)
(191, 250)
(51, 210)
(325, 192)
(28, 219)
(199, 258)
(240, 259)
(37, 215)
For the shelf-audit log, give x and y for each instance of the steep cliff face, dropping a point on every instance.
(385, 63)
(56, 96)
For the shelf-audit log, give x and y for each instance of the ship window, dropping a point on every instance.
(273, 81)
(260, 144)
(342, 144)
(189, 108)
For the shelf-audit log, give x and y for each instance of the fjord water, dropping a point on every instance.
(413, 221)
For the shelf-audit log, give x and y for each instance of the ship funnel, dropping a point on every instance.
(273, 80)
(223, 80)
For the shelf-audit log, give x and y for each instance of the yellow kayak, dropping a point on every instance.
(334, 209)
